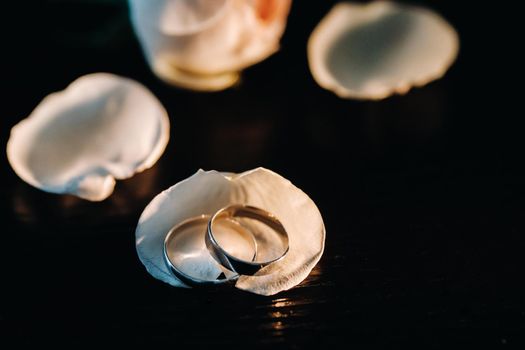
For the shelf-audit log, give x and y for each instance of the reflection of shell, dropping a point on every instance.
(78, 141)
(203, 44)
(373, 51)
(207, 192)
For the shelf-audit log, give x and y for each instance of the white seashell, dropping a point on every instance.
(78, 141)
(203, 44)
(371, 51)
(207, 192)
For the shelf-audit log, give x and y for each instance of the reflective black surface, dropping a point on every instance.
(422, 197)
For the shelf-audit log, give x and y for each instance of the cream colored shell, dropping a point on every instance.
(78, 141)
(374, 50)
(207, 192)
(203, 44)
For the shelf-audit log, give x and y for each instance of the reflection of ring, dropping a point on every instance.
(237, 264)
(187, 258)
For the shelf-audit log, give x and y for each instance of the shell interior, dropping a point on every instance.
(207, 192)
(371, 51)
(78, 141)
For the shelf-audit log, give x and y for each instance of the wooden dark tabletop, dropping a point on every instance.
(422, 197)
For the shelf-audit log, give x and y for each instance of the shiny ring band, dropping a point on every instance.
(232, 263)
(197, 226)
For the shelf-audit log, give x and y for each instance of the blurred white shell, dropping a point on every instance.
(371, 51)
(203, 44)
(78, 141)
(207, 192)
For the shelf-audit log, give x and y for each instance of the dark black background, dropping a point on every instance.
(422, 196)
